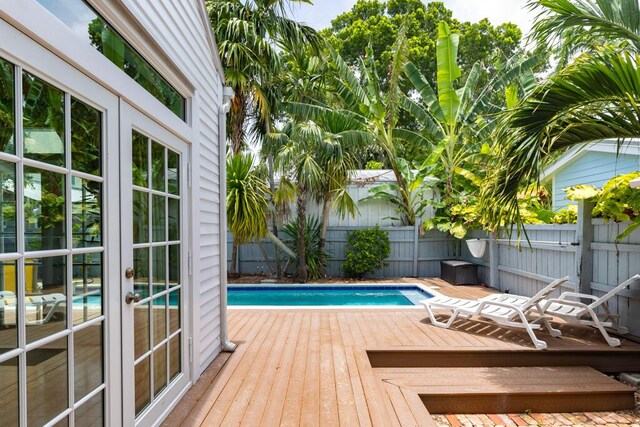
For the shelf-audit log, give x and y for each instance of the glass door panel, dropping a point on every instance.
(153, 318)
(52, 351)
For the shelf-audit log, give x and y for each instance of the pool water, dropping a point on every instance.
(324, 296)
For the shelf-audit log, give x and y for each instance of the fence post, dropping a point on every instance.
(416, 247)
(494, 261)
(584, 254)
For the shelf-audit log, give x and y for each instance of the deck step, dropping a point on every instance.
(512, 389)
(604, 359)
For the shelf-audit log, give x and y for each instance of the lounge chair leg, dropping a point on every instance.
(613, 342)
(538, 343)
(552, 331)
(435, 322)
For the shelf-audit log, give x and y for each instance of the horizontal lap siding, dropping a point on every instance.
(178, 28)
(593, 168)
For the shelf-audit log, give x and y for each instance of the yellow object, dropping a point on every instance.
(29, 278)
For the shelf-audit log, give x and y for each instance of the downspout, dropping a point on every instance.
(225, 344)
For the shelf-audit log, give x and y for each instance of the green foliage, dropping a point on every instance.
(316, 258)
(374, 165)
(367, 251)
(246, 200)
(566, 216)
(376, 23)
(582, 192)
(413, 193)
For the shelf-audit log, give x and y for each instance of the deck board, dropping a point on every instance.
(310, 367)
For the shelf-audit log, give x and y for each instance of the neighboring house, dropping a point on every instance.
(594, 164)
(373, 212)
(112, 140)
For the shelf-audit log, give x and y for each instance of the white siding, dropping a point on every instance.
(178, 28)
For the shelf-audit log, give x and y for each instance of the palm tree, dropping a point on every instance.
(246, 202)
(312, 163)
(597, 96)
(247, 34)
(361, 110)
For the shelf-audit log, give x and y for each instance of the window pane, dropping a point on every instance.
(46, 301)
(159, 369)
(86, 138)
(157, 166)
(159, 218)
(43, 121)
(88, 25)
(7, 108)
(174, 219)
(47, 382)
(9, 395)
(159, 269)
(87, 287)
(143, 385)
(90, 414)
(141, 330)
(174, 265)
(86, 206)
(140, 160)
(88, 351)
(140, 217)
(174, 357)
(8, 307)
(159, 319)
(173, 172)
(174, 311)
(7, 207)
(44, 209)
(141, 278)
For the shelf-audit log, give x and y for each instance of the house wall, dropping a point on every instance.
(593, 168)
(178, 27)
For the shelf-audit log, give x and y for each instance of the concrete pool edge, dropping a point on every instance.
(432, 290)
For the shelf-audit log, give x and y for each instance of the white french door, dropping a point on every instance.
(153, 164)
(59, 241)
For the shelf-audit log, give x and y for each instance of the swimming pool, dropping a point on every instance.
(327, 295)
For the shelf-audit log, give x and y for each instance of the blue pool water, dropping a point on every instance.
(319, 296)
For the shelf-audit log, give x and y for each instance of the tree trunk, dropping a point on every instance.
(274, 220)
(237, 116)
(303, 273)
(233, 271)
(326, 210)
(409, 214)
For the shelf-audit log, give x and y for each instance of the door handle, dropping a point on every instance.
(131, 297)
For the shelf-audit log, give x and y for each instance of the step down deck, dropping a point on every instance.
(511, 389)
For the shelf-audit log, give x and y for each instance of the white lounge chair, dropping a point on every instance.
(572, 310)
(511, 314)
(39, 308)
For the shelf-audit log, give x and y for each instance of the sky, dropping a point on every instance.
(322, 12)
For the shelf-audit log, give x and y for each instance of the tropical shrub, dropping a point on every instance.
(367, 251)
(374, 165)
(316, 257)
(566, 216)
(617, 201)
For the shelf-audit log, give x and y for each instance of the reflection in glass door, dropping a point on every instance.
(51, 254)
(156, 202)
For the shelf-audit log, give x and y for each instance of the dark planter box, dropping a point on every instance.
(459, 272)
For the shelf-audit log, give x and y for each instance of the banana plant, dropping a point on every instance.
(461, 118)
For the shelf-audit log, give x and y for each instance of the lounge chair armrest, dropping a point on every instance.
(567, 295)
(577, 304)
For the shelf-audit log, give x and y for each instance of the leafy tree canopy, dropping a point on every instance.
(376, 23)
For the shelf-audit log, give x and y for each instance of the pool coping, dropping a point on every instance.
(433, 290)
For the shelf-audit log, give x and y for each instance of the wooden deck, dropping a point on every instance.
(311, 367)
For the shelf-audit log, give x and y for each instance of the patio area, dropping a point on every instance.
(355, 367)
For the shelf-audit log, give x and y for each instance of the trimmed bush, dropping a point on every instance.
(367, 251)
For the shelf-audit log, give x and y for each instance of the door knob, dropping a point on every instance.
(131, 297)
(129, 273)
